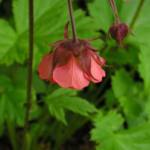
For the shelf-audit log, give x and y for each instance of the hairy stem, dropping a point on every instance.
(137, 12)
(30, 68)
(115, 10)
(74, 32)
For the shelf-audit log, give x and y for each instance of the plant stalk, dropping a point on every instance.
(137, 12)
(30, 68)
(74, 32)
(12, 134)
(115, 10)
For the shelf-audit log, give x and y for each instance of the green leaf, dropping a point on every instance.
(102, 14)
(147, 107)
(109, 135)
(144, 67)
(61, 100)
(48, 28)
(7, 40)
(142, 23)
(131, 6)
(129, 96)
(11, 102)
(142, 27)
(105, 125)
(101, 11)
(58, 112)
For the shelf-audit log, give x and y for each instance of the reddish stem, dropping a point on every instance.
(74, 32)
(115, 10)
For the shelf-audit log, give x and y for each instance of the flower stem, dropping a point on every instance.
(30, 68)
(137, 12)
(74, 32)
(115, 10)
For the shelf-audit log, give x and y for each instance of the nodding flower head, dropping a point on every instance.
(119, 31)
(72, 64)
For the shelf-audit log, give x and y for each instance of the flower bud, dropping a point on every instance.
(119, 31)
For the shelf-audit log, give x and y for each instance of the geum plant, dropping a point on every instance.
(27, 115)
(121, 111)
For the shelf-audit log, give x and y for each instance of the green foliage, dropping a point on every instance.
(108, 134)
(129, 95)
(7, 41)
(11, 102)
(48, 28)
(120, 105)
(61, 100)
(144, 66)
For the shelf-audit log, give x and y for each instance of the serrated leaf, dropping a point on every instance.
(7, 39)
(48, 28)
(101, 11)
(61, 100)
(58, 112)
(105, 125)
(11, 102)
(121, 83)
(103, 16)
(129, 96)
(107, 138)
(144, 67)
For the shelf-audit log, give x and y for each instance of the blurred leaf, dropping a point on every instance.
(108, 134)
(100, 10)
(110, 98)
(62, 99)
(122, 56)
(142, 26)
(105, 125)
(121, 83)
(11, 102)
(48, 28)
(147, 107)
(131, 6)
(142, 23)
(129, 96)
(7, 40)
(144, 67)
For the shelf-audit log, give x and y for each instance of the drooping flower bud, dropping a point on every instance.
(119, 31)
(72, 64)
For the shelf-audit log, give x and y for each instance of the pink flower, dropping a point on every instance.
(72, 64)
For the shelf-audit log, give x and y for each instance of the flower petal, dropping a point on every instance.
(70, 75)
(100, 60)
(45, 67)
(97, 72)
